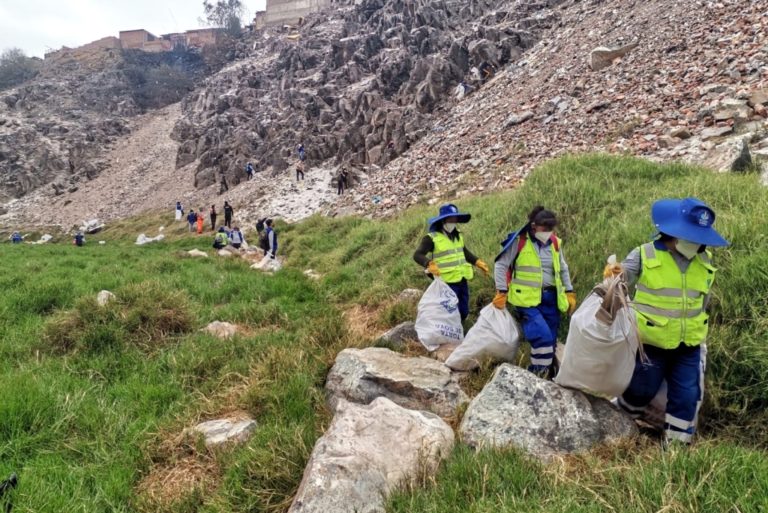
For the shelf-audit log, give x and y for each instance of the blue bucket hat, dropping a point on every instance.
(689, 219)
(449, 210)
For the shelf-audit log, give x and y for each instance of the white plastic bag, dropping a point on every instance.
(600, 352)
(438, 320)
(495, 334)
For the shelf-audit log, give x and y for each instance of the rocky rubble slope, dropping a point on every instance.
(359, 84)
(694, 88)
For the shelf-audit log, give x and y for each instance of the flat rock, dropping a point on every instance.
(224, 253)
(717, 131)
(410, 295)
(223, 431)
(197, 253)
(517, 119)
(400, 334)
(221, 330)
(603, 57)
(520, 410)
(104, 297)
(362, 375)
(367, 452)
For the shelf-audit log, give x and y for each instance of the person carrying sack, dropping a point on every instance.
(451, 260)
(673, 278)
(532, 275)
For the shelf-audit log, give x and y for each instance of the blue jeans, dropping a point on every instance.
(540, 325)
(461, 289)
(681, 367)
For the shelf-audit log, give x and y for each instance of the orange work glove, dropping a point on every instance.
(571, 302)
(612, 270)
(500, 300)
(483, 267)
(433, 269)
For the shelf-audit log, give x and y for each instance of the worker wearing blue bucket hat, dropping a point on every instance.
(674, 276)
(450, 259)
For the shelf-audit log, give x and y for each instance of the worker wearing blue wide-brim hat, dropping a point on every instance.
(674, 276)
(450, 259)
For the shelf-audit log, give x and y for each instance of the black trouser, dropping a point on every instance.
(340, 189)
(228, 221)
(213, 222)
(299, 172)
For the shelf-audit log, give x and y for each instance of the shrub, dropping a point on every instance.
(143, 315)
(16, 67)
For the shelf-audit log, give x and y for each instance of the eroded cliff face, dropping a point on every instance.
(55, 128)
(357, 84)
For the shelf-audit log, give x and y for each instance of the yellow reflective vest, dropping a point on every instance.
(669, 304)
(528, 279)
(448, 255)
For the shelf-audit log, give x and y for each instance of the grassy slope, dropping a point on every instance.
(82, 427)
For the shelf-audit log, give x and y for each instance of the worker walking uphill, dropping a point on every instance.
(532, 275)
(450, 260)
(673, 276)
(200, 220)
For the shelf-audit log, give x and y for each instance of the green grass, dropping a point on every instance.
(94, 400)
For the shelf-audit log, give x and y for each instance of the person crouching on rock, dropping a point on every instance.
(221, 239)
(79, 239)
(236, 238)
(450, 260)
(532, 275)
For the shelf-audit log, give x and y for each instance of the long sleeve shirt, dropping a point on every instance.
(507, 259)
(427, 246)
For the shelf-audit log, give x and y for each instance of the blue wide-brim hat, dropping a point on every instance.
(449, 210)
(690, 219)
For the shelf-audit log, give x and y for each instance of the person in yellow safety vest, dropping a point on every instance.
(532, 275)
(673, 276)
(450, 259)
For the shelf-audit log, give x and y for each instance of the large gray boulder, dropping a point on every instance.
(362, 375)
(368, 451)
(521, 410)
(398, 336)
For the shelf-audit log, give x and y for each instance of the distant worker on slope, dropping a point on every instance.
(228, 213)
(179, 211)
(191, 219)
(271, 239)
(200, 220)
(532, 275)
(302, 152)
(342, 181)
(249, 170)
(674, 276)
(16, 238)
(236, 238)
(299, 170)
(221, 239)
(79, 239)
(450, 259)
(213, 215)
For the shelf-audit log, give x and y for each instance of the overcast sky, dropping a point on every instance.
(38, 25)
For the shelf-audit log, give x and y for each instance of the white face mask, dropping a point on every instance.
(449, 227)
(543, 237)
(687, 249)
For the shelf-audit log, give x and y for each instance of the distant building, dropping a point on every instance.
(292, 11)
(202, 37)
(135, 39)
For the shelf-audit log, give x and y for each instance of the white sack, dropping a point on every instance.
(495, 334)
(438, 320)
(599, 357)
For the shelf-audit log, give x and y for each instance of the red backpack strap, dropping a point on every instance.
(555, 242)
(521, 240)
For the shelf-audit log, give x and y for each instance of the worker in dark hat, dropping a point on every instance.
(532, 275)
(450, 259)
(673, 276)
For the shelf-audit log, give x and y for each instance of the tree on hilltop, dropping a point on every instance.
(16, 67)
(226, 14)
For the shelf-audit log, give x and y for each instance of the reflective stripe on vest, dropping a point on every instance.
(669, 304)
(448, 255)
(528, 278)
